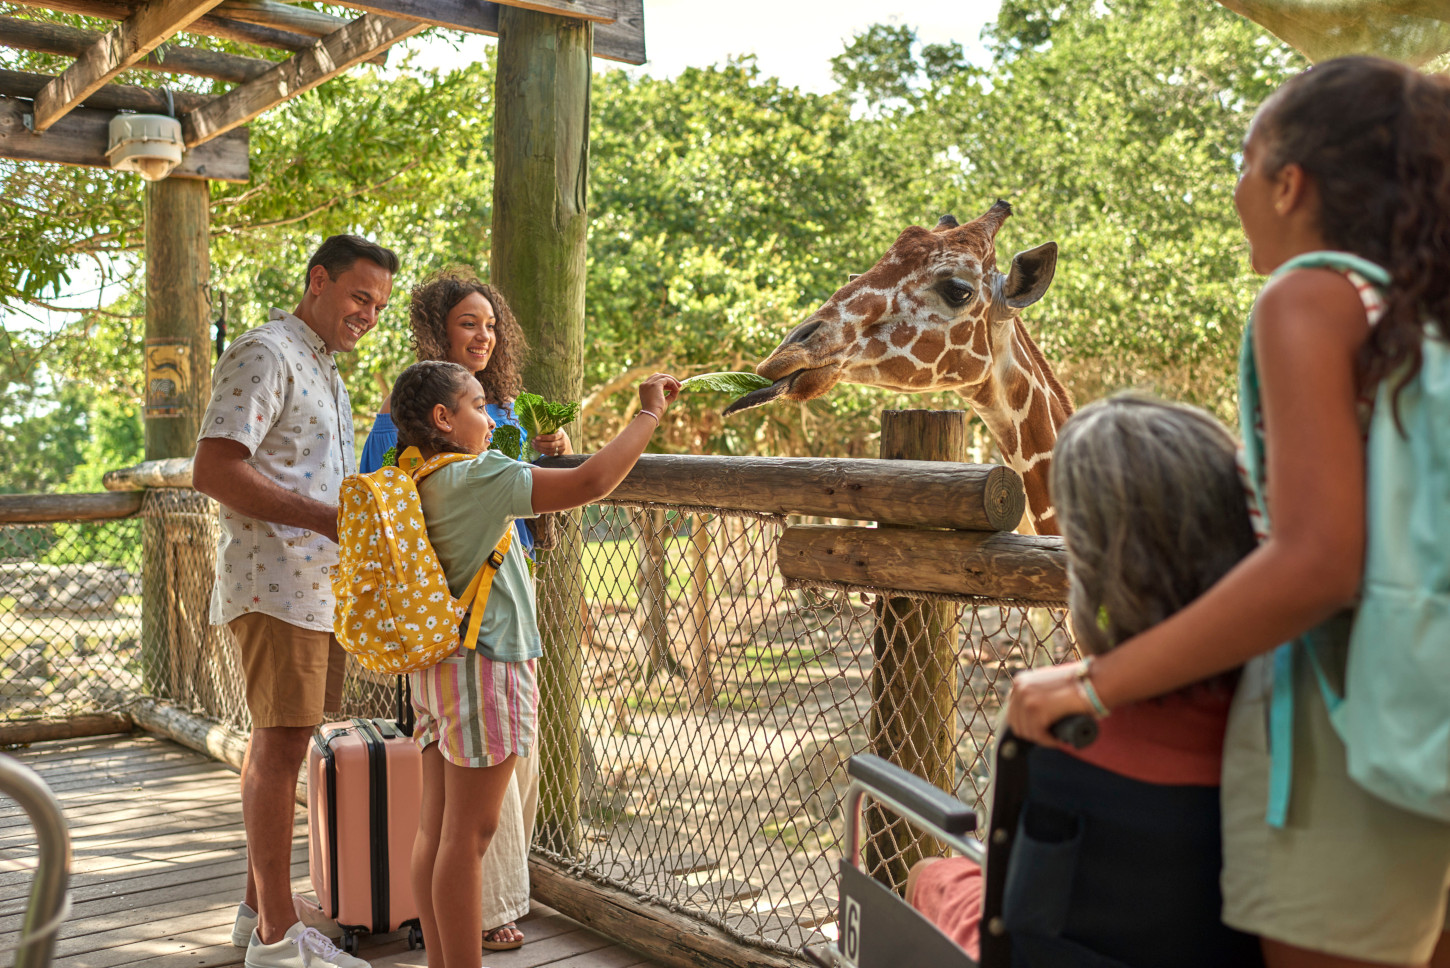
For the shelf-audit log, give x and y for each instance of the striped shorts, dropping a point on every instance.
(476, 709)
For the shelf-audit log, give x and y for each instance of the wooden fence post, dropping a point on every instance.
(540, 220)
(914, 672)
(178, 367)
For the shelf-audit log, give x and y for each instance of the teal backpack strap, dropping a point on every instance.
(1281, 703)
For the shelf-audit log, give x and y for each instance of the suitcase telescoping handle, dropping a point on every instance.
(405, 706)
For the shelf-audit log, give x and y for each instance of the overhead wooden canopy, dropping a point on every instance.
(65, 118)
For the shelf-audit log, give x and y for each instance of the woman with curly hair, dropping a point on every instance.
(456, 317)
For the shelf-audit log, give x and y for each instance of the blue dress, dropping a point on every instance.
(384, 436)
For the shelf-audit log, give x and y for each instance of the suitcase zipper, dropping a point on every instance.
(378, 820)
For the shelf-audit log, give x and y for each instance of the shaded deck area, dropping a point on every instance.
(159, 866)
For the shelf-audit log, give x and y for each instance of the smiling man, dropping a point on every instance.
(274, 446)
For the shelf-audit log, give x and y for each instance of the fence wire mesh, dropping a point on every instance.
(698, 710)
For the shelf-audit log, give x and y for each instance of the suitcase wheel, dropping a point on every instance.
(349, 941)
(415, 937)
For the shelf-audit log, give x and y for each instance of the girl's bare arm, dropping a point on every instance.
(1309, 326)
(558, 489)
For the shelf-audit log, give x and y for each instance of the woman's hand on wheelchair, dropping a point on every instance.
(1041, 697)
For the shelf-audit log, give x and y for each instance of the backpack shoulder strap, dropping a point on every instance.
(1329, 259)
(411, 461)
(476, 595)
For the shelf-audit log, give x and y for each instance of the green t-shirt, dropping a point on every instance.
(468, 505)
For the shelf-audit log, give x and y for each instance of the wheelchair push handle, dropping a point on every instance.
(1078, 731)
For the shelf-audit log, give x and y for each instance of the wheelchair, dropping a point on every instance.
(876, 928)
(49, 901)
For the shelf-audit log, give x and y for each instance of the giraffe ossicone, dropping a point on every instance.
(935, 313)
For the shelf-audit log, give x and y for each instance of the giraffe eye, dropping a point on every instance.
(955, 292)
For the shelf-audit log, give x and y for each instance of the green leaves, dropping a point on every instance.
(737, 383)
(390, 456)
(540, 416)
(508, 441)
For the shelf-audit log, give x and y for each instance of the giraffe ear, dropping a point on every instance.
(1031, 274)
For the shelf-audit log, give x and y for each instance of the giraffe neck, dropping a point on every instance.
(1023, 405)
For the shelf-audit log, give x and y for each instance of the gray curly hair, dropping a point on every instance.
(1152, 511)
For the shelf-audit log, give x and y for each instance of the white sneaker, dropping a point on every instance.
(246, 924)
(310, 914)
(300, 947)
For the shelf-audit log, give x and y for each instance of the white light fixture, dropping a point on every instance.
(149, 144)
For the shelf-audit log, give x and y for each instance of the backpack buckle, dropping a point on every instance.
(495, 559)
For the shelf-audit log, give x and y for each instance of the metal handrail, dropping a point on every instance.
(49, 898)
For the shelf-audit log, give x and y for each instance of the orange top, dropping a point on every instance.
(1176, 740)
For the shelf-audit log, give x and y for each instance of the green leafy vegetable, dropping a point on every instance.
(390, 456)
(508, 441)
(540, 417)
(736, 383)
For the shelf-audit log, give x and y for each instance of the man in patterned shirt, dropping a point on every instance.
(274, 446)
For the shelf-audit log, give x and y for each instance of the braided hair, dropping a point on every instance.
(431, 302)
(1374, 136)
(419, 389)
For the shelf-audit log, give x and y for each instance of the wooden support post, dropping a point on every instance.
(913, 677)
(540, 221)
(700, 637)
(178, 379)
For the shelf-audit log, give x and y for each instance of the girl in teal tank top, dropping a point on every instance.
(1345, 200)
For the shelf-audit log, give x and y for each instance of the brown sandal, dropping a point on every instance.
(489, 936)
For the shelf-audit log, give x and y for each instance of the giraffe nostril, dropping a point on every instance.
(802, 332)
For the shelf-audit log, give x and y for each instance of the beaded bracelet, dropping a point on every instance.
(1088, 690)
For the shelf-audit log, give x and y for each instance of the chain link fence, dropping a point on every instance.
(708, 706)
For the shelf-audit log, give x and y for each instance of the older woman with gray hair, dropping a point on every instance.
(1117, 856)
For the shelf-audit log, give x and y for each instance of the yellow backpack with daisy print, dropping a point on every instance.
(395, 612)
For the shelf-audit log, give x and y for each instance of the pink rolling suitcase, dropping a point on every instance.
(364, 783)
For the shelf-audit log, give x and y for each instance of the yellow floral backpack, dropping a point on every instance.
(394, 610)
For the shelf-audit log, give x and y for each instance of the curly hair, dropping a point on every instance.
(1374, 136)
(1152, 513)
(419, 389)
(433, 299)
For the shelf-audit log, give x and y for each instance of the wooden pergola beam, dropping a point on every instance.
(131, 41)
(49, 38)
(112, 97)
(330, 56)
(620, 39)
(209, 25)
(283, 16)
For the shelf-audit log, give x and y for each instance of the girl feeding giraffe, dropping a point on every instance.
(476, 709)
(1345, 200)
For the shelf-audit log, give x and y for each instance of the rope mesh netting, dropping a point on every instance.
(705, 705)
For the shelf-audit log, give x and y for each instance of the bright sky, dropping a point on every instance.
(793, 40)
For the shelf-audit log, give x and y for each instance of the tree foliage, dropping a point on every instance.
(725, 207)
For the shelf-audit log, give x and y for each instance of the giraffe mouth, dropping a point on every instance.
(759, 398)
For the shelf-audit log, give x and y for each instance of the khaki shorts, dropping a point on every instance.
(1349, 874)
(293, 674)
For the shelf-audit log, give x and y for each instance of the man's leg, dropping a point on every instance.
(269, 801)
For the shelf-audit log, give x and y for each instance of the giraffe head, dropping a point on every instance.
(934, 313)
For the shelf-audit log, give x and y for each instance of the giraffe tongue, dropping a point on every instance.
(764, 395)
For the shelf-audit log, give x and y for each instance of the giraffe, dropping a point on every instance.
(934, 313)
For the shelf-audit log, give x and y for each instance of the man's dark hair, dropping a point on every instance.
(338, 253)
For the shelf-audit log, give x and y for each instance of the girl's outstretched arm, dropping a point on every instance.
(1309, 326)
(559, 489)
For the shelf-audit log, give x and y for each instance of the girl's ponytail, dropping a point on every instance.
(419, 389)
(1420, 238)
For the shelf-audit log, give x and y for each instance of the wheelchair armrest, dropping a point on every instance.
(941, 810)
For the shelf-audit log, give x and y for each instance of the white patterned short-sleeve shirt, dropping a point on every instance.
(277, 391)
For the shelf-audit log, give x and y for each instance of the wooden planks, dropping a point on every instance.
(160, 866)
(82, 136)
(135, 37)
(335, 53)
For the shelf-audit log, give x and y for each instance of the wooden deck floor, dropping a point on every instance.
(159, 866)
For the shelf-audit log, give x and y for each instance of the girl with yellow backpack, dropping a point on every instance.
(476, 708)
